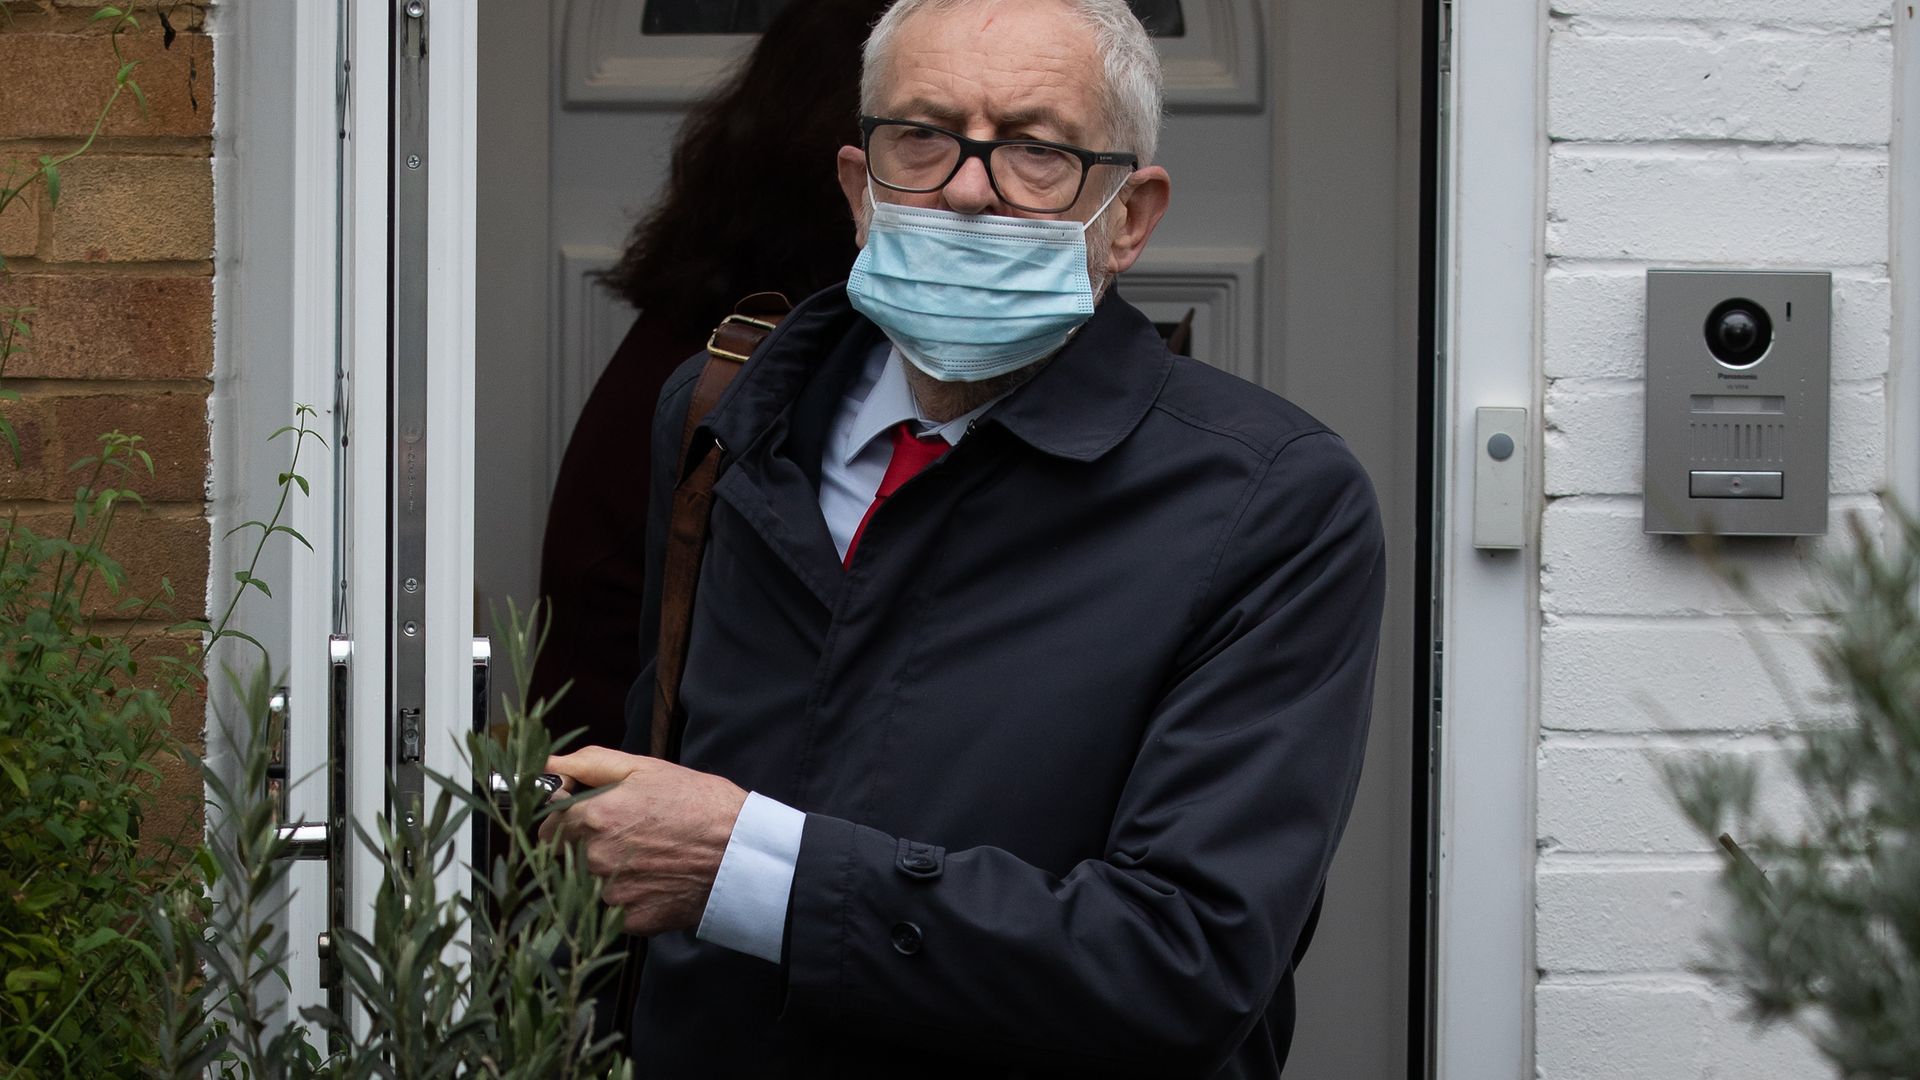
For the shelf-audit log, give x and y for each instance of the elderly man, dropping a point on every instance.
(1045, 653)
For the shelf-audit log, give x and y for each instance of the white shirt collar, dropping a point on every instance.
(890, 401)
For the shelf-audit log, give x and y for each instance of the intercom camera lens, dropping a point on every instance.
(1739, 333)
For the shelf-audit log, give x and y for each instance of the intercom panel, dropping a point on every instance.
(1737, 402)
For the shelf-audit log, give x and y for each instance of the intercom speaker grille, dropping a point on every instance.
(1730, 442)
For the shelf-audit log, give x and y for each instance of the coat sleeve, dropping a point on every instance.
(669, 420)
(1158, 958)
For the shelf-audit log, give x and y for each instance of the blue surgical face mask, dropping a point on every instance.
(967, 297)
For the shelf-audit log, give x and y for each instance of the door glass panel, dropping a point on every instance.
(1163, 18)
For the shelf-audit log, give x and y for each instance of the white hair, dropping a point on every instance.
(1130, 100)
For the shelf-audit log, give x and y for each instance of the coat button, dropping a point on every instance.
(906, 938)
(916, 860)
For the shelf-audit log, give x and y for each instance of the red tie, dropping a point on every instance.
(910, 455)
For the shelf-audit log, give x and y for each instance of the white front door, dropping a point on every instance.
(378, 644)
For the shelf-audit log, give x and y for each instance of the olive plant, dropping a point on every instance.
(1824, 923)
(500, 982)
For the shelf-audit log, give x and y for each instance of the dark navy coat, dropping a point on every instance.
(1075, 734)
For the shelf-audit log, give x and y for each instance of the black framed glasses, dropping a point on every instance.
(1034, 175)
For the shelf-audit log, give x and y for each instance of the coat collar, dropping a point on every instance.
(1081, 405)
(1095, 391)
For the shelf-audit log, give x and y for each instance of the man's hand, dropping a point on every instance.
(655, 838)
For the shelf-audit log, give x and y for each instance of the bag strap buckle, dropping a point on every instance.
(736, 333)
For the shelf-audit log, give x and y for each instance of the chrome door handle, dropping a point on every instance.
(324, 840)
(306, 841)
(311, 840)
(501, 786)
(303, 840)
(277, 753)
(482, 680)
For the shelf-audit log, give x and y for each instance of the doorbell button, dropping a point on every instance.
(1736, 485)
(1502, 509)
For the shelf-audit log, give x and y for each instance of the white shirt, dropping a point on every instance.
(747, 909)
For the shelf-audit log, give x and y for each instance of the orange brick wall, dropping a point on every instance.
(120, 275)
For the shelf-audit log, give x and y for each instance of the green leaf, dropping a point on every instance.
(24, 980)
(290, 531)
(101, 936)
(48, 892)
(242, 635)
(126, 69)
(13, 773)
(209, 866)
(140, 96)
(106, 13)
(298, 479)
(52, 173)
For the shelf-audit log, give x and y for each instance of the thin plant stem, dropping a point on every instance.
(8, 196)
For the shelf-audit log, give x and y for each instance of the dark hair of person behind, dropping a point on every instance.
(752, 202)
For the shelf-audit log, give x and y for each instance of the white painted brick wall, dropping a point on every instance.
(1687, 81)
(1609, 917)
(1843, 14)
(1594, 560)
(1736, 133)
(1648, 1030)
(1659, 1028)
(1734, 205)
(1607, 795)
(1641, 675)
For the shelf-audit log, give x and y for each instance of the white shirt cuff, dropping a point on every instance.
(747, 909)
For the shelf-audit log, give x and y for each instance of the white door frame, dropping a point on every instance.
(1492, 235)
(341, 235)
(275, 160)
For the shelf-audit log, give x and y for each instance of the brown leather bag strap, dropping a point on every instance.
(733, 341)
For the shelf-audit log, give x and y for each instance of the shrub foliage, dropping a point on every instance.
(1827, 935)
